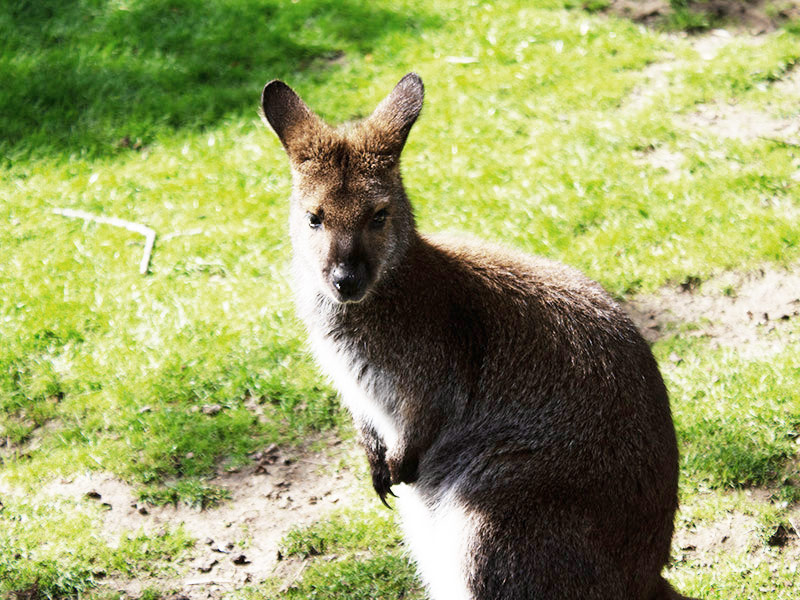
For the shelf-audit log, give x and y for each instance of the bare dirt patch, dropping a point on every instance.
(643, 11)
(657, 74)
(663, 159)
(753, 16)
(709, 45)
(656, 82)
(735, 534)
(237, 543)
(793, 530)
(749, 311)
(790, 83)
(736, 122)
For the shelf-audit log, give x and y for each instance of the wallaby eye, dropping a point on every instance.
(379, 218)
(314, 220)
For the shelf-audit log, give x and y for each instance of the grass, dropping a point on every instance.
(96, 77)
(195, 493)
(147, 111)
(343, 531)
(346, 536)
(739, 419)
(50, 548)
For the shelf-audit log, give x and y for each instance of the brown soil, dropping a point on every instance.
(735, 534)
(752, 16)
(752, 312)
(664, 159)
(735, 122)
(237, 543)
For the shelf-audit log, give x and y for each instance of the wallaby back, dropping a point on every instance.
(514, 407)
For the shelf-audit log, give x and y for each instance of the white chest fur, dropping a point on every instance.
(367, 399)
(441, 540)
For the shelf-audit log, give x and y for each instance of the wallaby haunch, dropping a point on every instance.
(518, 404)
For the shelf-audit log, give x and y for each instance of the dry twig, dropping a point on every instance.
(147, 232)
(170, 236)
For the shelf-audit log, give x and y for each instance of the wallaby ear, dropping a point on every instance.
(287, 114)
(395, 115)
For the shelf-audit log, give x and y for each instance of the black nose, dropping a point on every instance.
(349, 280)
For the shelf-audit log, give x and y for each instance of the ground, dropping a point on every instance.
(750, 16)
(239, 540)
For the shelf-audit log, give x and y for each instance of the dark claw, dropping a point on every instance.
(383, 497)
(385, 503)
(381, 481)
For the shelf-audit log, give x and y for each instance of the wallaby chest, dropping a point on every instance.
(368, 391)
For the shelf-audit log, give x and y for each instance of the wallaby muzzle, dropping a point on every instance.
(349, 281)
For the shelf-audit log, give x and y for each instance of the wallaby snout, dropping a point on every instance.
(349, 268)
(349, 279)
(507, 399)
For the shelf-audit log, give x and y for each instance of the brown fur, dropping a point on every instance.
(508, 382)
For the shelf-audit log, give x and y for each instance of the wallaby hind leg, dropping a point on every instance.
(464, 554)
(545, 562)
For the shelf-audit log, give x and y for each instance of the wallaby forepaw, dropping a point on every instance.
(382, 481)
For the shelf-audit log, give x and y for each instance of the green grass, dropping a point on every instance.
(344, 531)
(738, 419)
(384, 576)
(96, 77)
(352, 554)
(51, 548)
(195, 493)
(535, 144)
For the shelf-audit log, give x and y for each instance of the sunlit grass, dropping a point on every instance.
(738, 419)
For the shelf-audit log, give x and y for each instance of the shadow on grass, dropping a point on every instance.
(92, 77)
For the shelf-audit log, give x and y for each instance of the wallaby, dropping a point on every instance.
(516, 402)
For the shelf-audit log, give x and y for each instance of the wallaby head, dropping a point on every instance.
(350, 219)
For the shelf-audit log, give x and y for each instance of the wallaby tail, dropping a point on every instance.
(667, 592)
